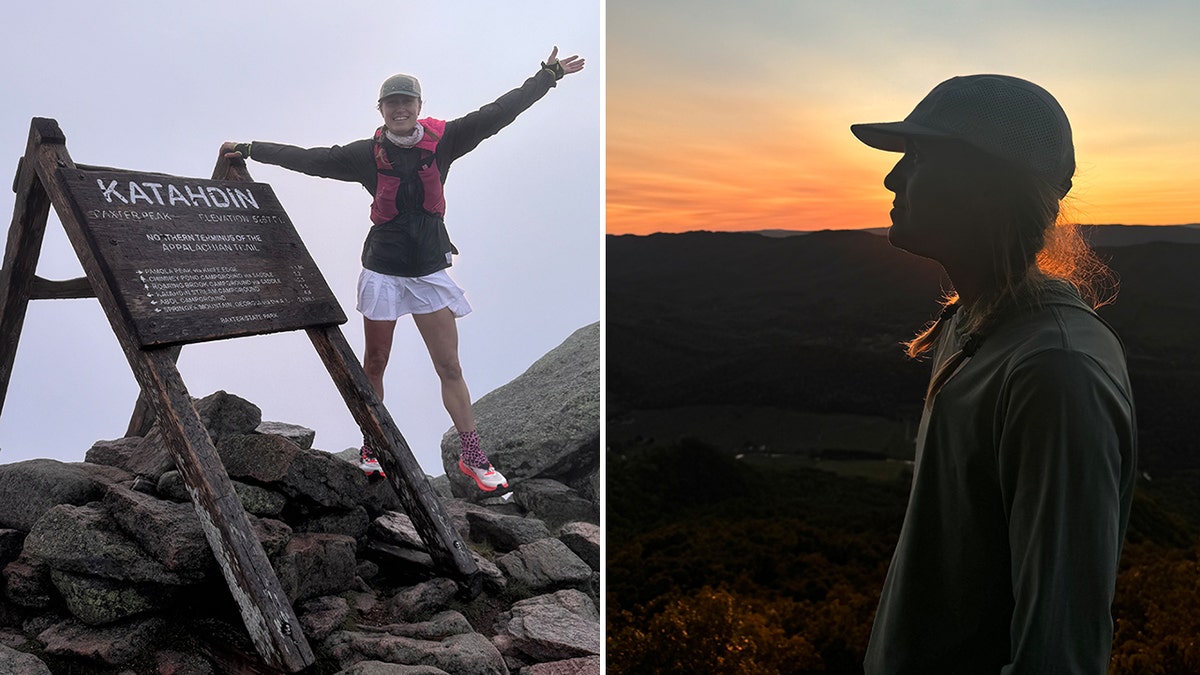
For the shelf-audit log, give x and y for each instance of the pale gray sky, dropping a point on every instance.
(156, 86)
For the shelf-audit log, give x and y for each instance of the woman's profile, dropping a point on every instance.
(407, 251)
(1024, 472)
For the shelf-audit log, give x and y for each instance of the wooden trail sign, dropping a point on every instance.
(178, 260)
(196, 260)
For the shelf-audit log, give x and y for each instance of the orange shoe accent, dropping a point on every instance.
(471, 474)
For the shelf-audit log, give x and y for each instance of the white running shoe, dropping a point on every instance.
(368, 463)
(487, 479)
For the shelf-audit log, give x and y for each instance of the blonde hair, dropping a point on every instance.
(1032, 243)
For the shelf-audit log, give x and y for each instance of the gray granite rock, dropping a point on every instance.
(274, 535)
(352, 522)
(493, 578)
(422, 599)
(394, 527)
(466, 653)
(584, 665)
(226, 415)
(381, 668)
(256, 500)
(505, 533)
(31, 488)
(321, 616)
(85, 540)
(169, 531)
(584, 541)
(139, 456)
(97, 601)
(114, 644)
(555, 502)
(546, 564)
(315, 564)
(304, 476)
(27, 582)
(301, 436)
(20, 663)
(543, 424)
(553, 627)
(439, 626)
(259, 501)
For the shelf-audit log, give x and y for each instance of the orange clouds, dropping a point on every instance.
(674, 171)
(679, 177)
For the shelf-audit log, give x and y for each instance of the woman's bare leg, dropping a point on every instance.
(378, 348)
(439, 330)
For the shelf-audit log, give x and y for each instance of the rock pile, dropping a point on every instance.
(106, 568)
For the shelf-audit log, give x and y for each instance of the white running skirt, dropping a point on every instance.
(382, 297)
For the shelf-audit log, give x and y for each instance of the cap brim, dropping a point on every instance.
(410, 94)
(890, 135)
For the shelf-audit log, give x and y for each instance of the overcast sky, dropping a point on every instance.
(155, 86)
(736, 116)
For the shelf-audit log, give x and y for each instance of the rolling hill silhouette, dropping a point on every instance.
(814, 323)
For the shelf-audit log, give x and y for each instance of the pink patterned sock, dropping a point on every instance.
(472, 454)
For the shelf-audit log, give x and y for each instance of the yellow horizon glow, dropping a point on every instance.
(745, 126)
(660, 180)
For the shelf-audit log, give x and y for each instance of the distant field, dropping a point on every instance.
(886, 470)
(754, 430)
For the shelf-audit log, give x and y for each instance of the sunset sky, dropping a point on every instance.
(735, 116)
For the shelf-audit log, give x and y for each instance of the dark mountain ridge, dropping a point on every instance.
(815, 323)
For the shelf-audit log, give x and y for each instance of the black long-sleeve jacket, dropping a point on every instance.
(415, 243)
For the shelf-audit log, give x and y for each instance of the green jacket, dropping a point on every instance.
(1024, 475)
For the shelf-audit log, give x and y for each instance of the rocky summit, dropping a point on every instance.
(106, 569)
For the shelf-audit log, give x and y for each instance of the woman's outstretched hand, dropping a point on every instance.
(570, 64)
(230, 150)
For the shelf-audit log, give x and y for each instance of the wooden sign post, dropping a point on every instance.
(177, 260)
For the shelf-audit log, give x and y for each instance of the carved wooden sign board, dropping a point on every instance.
(194, 260)
(176, 260)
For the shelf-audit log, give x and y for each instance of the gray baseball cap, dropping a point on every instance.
(1004, 116)
(405, 85)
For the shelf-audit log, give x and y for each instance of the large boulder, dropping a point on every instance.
(97, 601)
(226, 415)
(31, 488)
(543, 424)
(545, 565)
(553, 627)
(307, 477)
(505, 533)
(169, 531)
(554, 502)
(114, 644)
(147, 457)
(85, 540)
(315, 564)
(465, 653)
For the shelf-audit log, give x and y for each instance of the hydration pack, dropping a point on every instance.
(392, 187)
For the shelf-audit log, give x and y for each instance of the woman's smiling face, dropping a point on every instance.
(400, 113)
